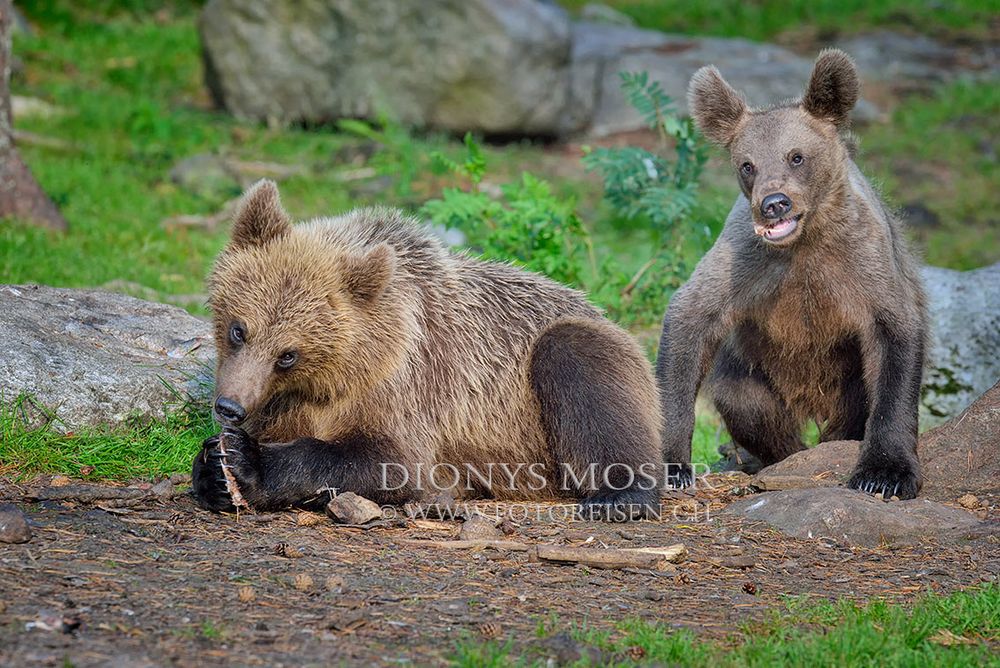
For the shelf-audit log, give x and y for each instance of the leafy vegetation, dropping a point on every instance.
(962, 629)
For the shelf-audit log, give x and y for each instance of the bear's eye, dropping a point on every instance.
(236, 335)
(797, 160)
(747, 168)
(287, 360)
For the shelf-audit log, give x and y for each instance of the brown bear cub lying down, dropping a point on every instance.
(356, 353)
(809, 305)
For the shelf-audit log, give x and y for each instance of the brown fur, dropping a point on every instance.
(828, 323)
(444, 356)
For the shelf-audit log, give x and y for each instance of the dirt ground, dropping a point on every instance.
(155, 580)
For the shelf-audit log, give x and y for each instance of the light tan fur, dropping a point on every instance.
(397, 336)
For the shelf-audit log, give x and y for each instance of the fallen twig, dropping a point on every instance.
(654, 558)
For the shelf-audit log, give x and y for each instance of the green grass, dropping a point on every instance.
(764, 20)
(881, 635)
(146, 450)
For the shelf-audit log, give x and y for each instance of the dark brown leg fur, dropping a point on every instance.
(888, 461)
(599, 407)
(755, 415)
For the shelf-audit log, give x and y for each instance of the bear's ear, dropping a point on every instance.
(715, 106)
(259, 216)
(833, 87)
(366, 276)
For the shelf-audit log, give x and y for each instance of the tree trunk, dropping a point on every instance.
(20, 195)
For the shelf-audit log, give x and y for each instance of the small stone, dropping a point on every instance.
(247, 594)
(350, 508)
(13, 525)
(968, 501)
(479, 527)
(163, 489)
(303, 582)
(59, 481)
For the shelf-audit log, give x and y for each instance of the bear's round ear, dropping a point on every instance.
(259, 216)
(716, 107)
(834, 87)
(367, 276)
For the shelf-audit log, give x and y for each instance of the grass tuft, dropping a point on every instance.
(146, 450)
(961, 629)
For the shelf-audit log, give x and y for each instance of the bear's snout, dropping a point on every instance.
(229, 410)
(775, 206)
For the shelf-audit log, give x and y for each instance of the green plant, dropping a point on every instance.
(643, 185)
(959, 629)
(526, 223)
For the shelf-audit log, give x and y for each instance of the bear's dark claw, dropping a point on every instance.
(899, 480)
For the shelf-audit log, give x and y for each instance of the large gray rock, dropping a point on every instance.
(853, 517)
(964, 357)
(498, 67)
(98, 357)
(514, 67)
(765, 73)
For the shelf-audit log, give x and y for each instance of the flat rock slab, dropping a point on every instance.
(853, 517)
(94, 357)
(959, 457)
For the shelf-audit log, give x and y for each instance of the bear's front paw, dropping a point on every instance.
(207, 482)
(624, 505)
(899, 478)
(241, 460)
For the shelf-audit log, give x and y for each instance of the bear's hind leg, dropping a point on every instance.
(755, 415)
(600, 412)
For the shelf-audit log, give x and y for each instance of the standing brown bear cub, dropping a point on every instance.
(809, 305)
(356, 353)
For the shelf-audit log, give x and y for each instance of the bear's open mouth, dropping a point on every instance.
(777, 230)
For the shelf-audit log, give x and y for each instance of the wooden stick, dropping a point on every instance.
(654, 558)
(231, 486)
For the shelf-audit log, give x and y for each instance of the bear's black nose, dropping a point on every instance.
(776, 205)
(229, 410)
